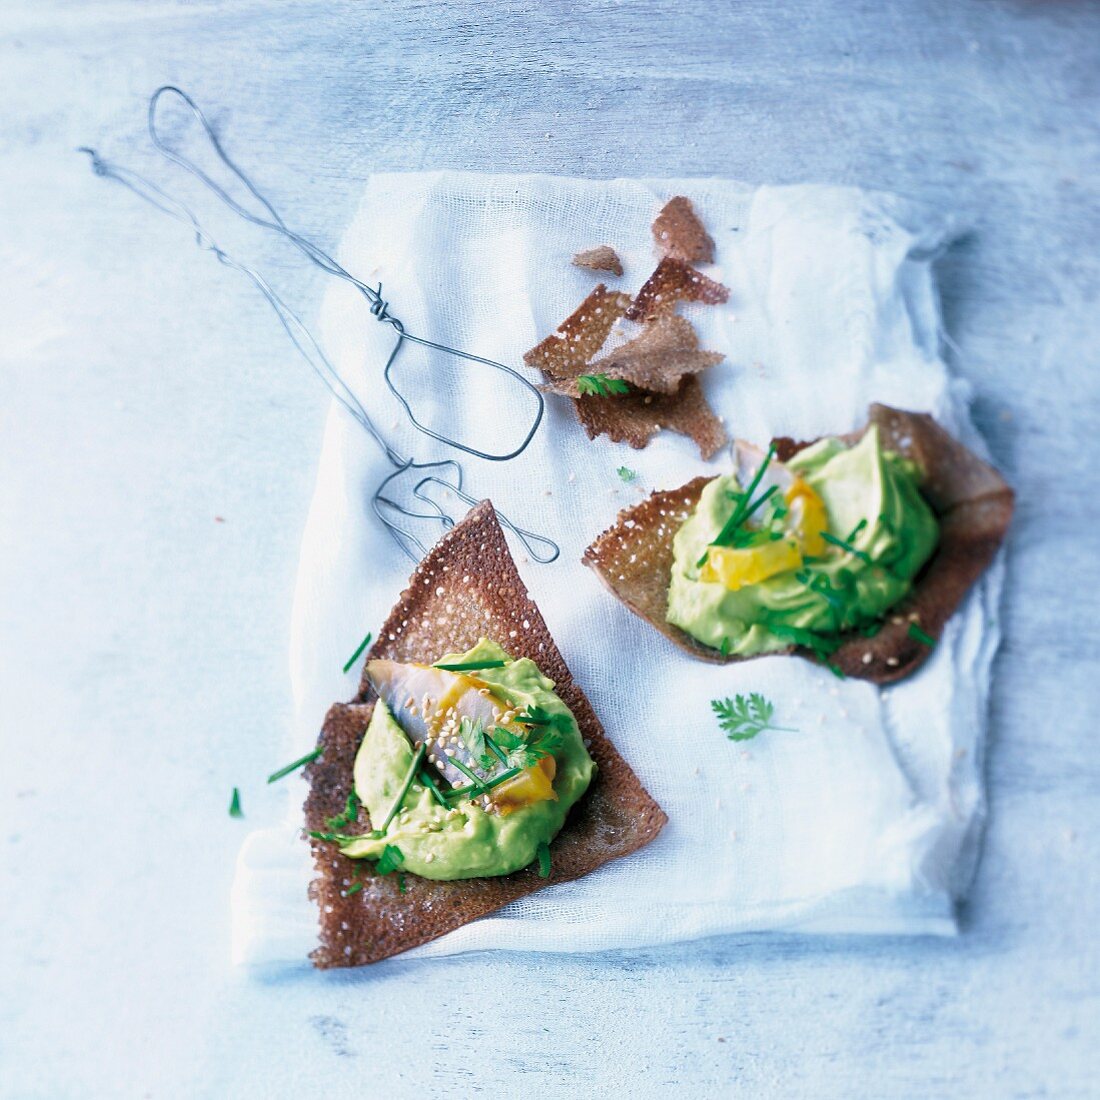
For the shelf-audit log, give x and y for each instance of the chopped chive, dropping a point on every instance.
(470, 775)
(496, 781)
(919, 635)
(235, 804)
(738, 516)
(856, 530)
(846, 545)
(724, 648)
(836, 670)
(760, 502)
(400, 882)
(354, 888)
(429, 782)
(414, 767)
(496, 750)
(626, 473)
(355, 656)
(543, 855)
(467, 666)
(301, 762)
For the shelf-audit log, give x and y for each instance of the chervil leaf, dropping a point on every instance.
(626, 473)
(743, 718)
(600, 385)
(522, 751)
(472, 734)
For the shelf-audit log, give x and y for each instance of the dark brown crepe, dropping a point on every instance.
(972, 502)
(635, 418)
(679, 232)
(656, 360)
(467, 587)
(672, 282)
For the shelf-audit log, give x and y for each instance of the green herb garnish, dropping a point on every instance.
(354, 888)
(472, 776)
(472, 734)
(525, 752)
(485, 785)
(919, 635)
(846, 544)
(538, 716)
(724, 648)
(430, 783)
(725, 536)
(400, 882)
(542, 853)
(355, 656)
(390, 860)
(600, 385)
(406, 783)
(350, 814)
(626, 473)
(235, 804)
(742, 719)
(495, 749)
(301, 762)
(469, 666)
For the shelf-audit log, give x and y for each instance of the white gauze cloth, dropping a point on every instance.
(867, 817)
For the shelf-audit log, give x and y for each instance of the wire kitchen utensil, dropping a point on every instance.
(446, 474)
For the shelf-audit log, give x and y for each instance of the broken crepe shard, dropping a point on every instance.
(603, 258)
(679, 233)
(466, 590)
(651, 382)
(970, 501)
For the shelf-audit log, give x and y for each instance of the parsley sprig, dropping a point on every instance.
(600, 385)
(743, 718)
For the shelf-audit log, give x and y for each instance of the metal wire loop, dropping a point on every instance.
(448, 473)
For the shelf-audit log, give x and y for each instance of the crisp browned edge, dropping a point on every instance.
(431, 909)
(893, 641)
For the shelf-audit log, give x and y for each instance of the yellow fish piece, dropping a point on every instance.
(736, 568)
(808, 519)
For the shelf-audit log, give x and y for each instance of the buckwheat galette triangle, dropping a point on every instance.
(469, 771)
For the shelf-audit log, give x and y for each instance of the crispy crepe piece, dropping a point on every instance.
(656, 360)
(635, 418)
(971, 500)
(679, 233)
(601, 258)
(566, 351)
(465, 588)
(674, 281)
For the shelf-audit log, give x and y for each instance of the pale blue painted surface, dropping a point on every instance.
(144, 392)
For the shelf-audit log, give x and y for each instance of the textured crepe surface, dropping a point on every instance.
(866, 818)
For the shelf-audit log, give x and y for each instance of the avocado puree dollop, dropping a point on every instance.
(872, 501)
(466, 841)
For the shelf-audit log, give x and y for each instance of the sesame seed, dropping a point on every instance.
(893, 662)
(868, 657)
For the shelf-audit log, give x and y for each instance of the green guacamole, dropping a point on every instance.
(466, 841)
(861, 483)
